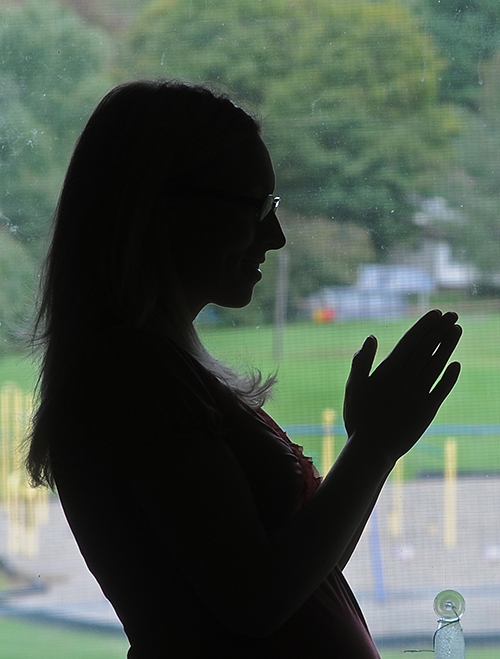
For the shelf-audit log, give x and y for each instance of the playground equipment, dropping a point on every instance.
(328, 446)
(27, 508)
(450, 492)
(397, 515)
(396, 519)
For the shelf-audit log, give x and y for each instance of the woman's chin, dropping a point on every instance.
(237, 299)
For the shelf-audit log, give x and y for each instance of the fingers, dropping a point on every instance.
(422, 341)
(431, 342)
(413, 337)
(445, 385)
(438, 360)
(362, 362)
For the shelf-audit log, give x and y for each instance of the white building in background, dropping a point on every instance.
(384, 290)
(381, 291)
(436, 258)
(436, 255)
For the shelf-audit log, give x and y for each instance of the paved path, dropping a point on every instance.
(396, 592)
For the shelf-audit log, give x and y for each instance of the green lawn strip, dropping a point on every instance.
(316, 363)
(27, 640)
(472, 652)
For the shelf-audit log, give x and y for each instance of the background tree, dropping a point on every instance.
(467, 33)
(472, 184)
(348, 92)
(17, 274)
(54, 68)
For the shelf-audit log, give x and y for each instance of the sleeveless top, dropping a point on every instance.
(111, 400)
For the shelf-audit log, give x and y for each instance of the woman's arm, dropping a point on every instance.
(359, 409)
(353, 543)
(356, 396)
(385, 414)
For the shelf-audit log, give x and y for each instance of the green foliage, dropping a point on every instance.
(472, 184)
(467, 33)
(324, 251)
(348, 92)
(17, 274)
(475, 191)
(52, 74)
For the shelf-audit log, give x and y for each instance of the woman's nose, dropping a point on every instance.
(271, 233)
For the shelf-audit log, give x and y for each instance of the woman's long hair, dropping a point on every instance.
(143, 142)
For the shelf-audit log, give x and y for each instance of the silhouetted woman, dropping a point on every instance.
(208, 530)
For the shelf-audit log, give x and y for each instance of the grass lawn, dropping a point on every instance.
(317, 359)
(27, 640)
(314, 368)
(474, 652)
(316, 362)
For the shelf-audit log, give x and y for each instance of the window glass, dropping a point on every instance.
(383, 121)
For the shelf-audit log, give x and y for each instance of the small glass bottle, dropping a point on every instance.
(449, 642)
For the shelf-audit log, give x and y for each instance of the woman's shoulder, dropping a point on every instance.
(134, 381)
(133, 341)
(134, 351)
(151, 368)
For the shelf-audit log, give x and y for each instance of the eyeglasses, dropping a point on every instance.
(263, 206)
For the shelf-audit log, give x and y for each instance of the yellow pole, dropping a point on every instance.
(5, 439)
(396, 516)
(328, 454)
(450, 492)
(27, 508)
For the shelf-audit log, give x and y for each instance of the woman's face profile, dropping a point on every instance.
(219, 245)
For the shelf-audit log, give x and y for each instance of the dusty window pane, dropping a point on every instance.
(382, 119)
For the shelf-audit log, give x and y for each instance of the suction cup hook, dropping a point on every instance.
(449, 605)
